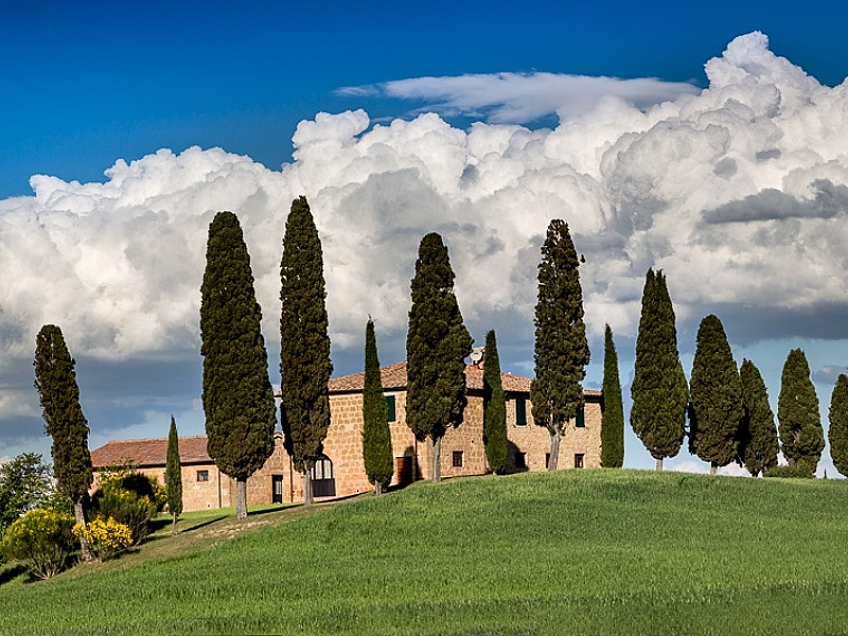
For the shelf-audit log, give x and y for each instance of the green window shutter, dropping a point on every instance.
(390, 405)
(520, 411)
(581, 418)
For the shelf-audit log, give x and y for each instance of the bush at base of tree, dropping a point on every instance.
(42, 540)
(107, 538)
(795, 471)
(132, 499)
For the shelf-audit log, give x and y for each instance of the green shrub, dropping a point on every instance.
(132, 499)
(799, 470)
(42, 540)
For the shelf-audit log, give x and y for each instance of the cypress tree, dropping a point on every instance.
(305, 364)
(612, 419)
(173, 475)
(376, 436)
(837, 434)
(715, 393)
(561, 349)
(56, 383)
(799, 423)
(757, 432)
(437, 344)
(659, 390)
(494, 408)
(237, 396)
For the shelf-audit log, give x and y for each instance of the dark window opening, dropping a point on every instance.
(276, 489)
(578, 460)
(202, 475)
(520, 412)
(390, 406)
(547, 460)
(580, 420)
(457, 459)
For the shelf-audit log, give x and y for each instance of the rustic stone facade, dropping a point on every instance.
(341, 472)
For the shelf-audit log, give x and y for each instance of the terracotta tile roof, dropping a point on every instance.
(394, 377)
(145, 453)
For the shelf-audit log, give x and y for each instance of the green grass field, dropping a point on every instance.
(575, 552)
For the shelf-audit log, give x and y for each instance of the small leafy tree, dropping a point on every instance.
(437, 344)
(494, 408)
(305, 365)
(612, 419)
(757, 432)
(42, 540)
(173, 476)
(238, 399)
(376, 436)
(55, 380)
(837, 434)
(131, 498)
(25, 484)
(801, 436)
(659, 389)
(715, 391)
(561, 349)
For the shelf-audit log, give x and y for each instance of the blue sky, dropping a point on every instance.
(585, 111)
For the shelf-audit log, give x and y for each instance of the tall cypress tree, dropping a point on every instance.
(437, 344)
(837, 434)
(173, 475)
(715, 393)
(305, 364)
(757, 432)
(659, 390)
(376, 435)
(612, 419)
(55, 380)
(494, 408)
(561, 350)
(799, 422)
(237, 396)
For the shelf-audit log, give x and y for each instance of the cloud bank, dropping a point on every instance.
(739, 192)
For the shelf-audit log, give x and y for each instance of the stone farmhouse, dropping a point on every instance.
(340, 471)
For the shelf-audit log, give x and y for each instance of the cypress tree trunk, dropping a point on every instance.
(378, 488)
(556, 437)
(437, 460)
(241, 498)
(713, 468)
(87, 554)
(659, 464)
(307, 488)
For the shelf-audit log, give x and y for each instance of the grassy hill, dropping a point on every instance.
(575, 552)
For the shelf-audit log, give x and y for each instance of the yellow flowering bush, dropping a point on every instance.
(107, 538)
(42, 540)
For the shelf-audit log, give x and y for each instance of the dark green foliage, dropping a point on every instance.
(494, 408)
(25, 484)
(437, 344)
(837, 434)
(659, 390)
(55, 380)
(796, 471)
(305, 364)
(561, 349)
(131, 498)
(801, 436)
(715, 393)
(612, 422)
(237, 396)
(757, 432)
(376, 436)
(173, 474)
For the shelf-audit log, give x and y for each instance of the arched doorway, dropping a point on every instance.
(323, 478)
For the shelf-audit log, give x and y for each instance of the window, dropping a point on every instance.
(521, 460)
(520, 412)
(202, 475)
(457, 459)
(580, 420)
(547, 461)
(390, 406)
(578, 460)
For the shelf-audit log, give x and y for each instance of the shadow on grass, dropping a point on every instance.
(12, 572)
